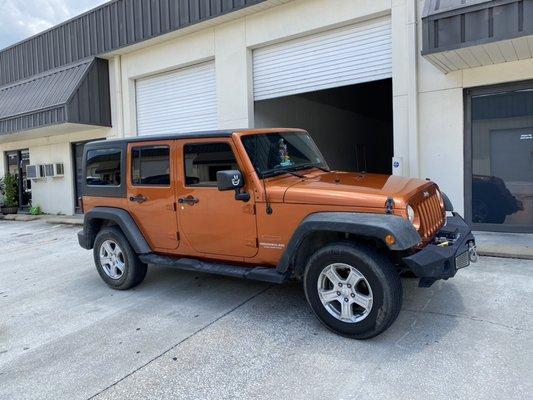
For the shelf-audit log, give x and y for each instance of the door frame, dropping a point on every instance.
(77, 209)
(468, 158)
(20, 179)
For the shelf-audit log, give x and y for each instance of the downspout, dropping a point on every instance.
(412, 90)
(119, 101)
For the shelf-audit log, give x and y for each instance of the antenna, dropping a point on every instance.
(267, 202)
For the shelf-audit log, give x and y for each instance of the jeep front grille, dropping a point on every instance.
(431, 215)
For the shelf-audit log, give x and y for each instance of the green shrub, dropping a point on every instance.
(10, 191)
(35, 210)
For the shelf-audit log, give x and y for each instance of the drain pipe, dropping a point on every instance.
(412, 90)
(116, 97)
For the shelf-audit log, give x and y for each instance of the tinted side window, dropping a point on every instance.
(202, 161)
(103, 167)
(150, 165)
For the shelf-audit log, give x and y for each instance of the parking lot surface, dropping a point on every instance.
(181, 335)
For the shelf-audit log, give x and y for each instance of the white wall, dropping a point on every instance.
(230, 45)
(53, 195)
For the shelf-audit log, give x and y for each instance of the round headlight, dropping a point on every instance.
(411, 213)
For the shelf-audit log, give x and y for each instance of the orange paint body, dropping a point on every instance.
(219, 227)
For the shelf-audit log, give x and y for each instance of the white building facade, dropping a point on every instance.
(382, 85)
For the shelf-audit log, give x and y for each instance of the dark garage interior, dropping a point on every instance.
(352, 125)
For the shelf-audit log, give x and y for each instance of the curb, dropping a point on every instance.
(505, 255)
(64, 221)
(46, 218)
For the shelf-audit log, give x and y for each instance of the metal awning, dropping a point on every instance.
(77, 93)
(459, 34)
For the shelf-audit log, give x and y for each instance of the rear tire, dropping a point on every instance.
(353, 290)
(115, 260)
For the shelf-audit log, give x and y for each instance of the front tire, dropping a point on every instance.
(353, 290)
(116, 262)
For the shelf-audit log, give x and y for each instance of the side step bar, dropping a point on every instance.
(263, 274)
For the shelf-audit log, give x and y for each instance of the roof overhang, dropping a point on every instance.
(77, 93)
(66, 128)
(459, 34)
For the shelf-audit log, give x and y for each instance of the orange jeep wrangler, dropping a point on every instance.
(262, 204)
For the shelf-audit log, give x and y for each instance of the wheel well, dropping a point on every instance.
(318, 239)
(95, 225)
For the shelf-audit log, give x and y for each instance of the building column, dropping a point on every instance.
(405, 87)
(115, 92)
(233, 65)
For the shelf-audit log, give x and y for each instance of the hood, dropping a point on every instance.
(350, 189)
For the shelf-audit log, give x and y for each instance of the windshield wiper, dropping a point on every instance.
(276, 172)
(310, 165)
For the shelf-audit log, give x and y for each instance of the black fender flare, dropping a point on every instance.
(120, 217)
(448, 206)
(372, 226)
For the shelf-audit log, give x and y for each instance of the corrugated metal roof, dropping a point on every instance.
(113, 25)
(77, 93)
(43, 91)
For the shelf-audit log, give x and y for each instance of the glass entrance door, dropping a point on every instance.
(17, 161)
(499, 173)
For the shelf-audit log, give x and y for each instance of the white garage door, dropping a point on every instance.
(180, 101)
(338, 57)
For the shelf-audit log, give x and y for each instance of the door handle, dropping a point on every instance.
(139, 198)
(190, 200)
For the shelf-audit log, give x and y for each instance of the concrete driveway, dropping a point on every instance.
(65, 335)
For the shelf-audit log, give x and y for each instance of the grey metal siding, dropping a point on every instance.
(38, 119)
(77, 93)
(113, 25)
(90, 102)
(453, 24)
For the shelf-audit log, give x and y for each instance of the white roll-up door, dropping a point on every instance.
(179, 101)
(338, 57)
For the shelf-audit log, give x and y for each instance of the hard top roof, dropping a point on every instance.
(189, 135)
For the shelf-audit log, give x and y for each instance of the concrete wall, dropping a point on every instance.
(230, 45)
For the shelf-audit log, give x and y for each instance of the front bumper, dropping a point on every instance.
(435, 261)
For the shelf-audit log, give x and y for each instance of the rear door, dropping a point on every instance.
(151, 195)
(213, 222)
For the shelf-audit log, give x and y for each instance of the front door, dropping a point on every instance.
(16, 165)
(151, 195)
(213, 222)
(500, 185)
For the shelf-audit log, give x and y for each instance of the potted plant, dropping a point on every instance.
(10, 188)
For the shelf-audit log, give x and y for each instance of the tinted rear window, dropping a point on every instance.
(151, 165)
(103, 167)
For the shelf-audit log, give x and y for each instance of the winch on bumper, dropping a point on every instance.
(454, 248)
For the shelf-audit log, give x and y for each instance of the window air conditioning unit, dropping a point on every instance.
(33, 172)
(53, 170)
(59, 170)
(48, 170)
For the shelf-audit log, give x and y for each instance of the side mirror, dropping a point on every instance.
(229, 180)
(232, 180)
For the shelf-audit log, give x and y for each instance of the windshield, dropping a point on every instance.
(276, 153)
